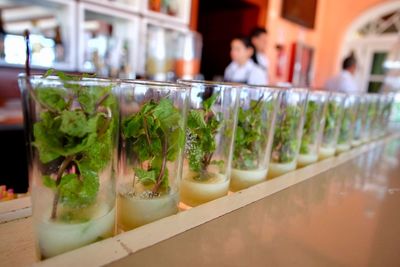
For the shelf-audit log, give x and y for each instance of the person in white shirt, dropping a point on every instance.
(259, 38)
(344, 81)
(242, 69)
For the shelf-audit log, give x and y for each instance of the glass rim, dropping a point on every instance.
(338, 94)
(266, 86)
(302, 90)
(54, 78)
(209, 83)
(319, 92)
(162, 84)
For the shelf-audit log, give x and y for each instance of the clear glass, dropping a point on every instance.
(377, 129)
(371, 120)
(153, 121)
(387, 111)
(383, 114)
(187, 65)
(313, 127)
(209, 146)
(254, 132)
(333, 119)
(72, 129)
(360, 121)
(346, 131)
(288, 131)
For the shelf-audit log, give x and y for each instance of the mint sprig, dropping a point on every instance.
(285, 144)
(251, 137)
(155, 135)
(74, 140)
(203, 125)
(311, 127)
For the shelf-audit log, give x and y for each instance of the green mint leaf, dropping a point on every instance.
(209, 102)
(146, 177)
(49, 182)
(79, 191)
(74, 123)
(48, 73)
(52, 98)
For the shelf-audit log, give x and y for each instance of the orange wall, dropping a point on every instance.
(332, 20)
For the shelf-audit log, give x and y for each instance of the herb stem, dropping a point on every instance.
(163, 165)
(146, 131)
(101, 100)
(63, 167)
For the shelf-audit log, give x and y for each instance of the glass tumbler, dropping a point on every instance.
(153, 121)
(346, 131)
(333, 120)
(288, 131)
(254, 132)
(72, 128)
(209, 141)
(313, 127)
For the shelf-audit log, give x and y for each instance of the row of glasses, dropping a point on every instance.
(107, 154)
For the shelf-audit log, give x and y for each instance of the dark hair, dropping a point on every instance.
(349, 62)
(257, 32)
(245, 41)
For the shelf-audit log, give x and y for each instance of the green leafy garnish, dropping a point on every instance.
(203, 125)
(251, 134)
(155, 135)
(359, 121)
(311, 127)
(74, 143)
(285, 145)
(331, 122)
(345, 128)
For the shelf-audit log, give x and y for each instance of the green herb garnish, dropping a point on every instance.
(345, 129)
(251, 134)
(74, 138)
(285, 145)
(311, 127)
(203, 125)
(331, 121)
(155, 135)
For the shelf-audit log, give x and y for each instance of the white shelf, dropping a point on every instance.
(132, 6)
(125, 26)
(183, 16)
(130, 20)
(64, 12)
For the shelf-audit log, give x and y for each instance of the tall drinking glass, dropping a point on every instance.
(153, 121)
(313, 127)
(288, 131)
(72, 127)
(254, 133)
(209, 146)
(346, 131)
(333, 120)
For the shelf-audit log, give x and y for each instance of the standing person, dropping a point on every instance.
(242, 68)
(344, 81)
(259, 38)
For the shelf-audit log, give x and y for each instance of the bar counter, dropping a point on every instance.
(342, 211)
